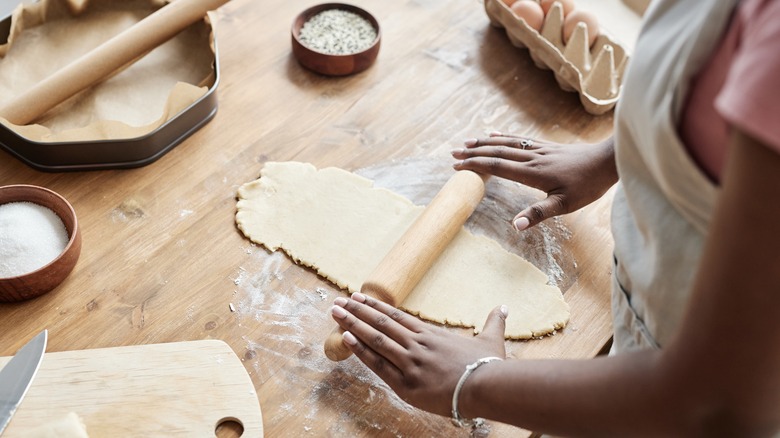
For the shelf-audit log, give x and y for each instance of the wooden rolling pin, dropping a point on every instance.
(106, 59)
(422, 243)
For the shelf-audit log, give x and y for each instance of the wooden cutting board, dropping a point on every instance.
(179, 389)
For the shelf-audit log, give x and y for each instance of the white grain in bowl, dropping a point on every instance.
(337, 32)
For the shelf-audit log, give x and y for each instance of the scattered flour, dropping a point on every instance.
(348, 391)
(283, 350)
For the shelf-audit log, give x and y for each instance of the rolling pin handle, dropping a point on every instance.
(335, 349)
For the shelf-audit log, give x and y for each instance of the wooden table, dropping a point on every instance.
(163, 261)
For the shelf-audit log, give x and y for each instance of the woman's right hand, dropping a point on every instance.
(421, 362)
(573, 175)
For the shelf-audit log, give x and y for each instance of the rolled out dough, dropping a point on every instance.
(337, 223)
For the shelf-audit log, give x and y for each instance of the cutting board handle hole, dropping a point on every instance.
(229, 427)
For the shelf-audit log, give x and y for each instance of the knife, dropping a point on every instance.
(16, 376)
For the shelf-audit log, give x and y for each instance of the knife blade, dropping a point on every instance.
(17, 375)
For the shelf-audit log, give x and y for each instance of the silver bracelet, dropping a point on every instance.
(456, 418)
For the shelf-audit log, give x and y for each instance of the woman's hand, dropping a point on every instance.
(573, 176)
(421, 362)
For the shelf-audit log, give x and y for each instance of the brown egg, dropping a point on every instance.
(530, 12)
(568, 5)
(579, 16)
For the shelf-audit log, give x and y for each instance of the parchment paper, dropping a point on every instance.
(48, 35)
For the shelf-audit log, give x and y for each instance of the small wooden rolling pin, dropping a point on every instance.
(106, 59)
(422, 243)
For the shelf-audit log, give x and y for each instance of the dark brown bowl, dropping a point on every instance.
(43, 280)
(328, 64)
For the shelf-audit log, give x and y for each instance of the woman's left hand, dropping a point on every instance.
(421, 362)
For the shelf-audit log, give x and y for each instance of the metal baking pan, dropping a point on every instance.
(112, 154)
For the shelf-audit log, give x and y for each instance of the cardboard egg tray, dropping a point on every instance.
(594, 72)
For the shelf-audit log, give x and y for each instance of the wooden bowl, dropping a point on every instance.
(328, 64)
(43, 280)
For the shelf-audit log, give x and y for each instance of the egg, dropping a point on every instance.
(579, 16)
(530, 12)
(568, 6)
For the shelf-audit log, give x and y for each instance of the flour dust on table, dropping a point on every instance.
(337, 223)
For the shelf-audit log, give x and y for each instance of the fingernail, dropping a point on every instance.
(457, 151)
(360, 298)
(338, 312)
(504, 310)
(340, 301)
(457, 164)
(495, 134)
(349, 338)
(470, 141)
(521, 223)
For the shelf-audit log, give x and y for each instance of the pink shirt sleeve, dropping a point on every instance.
(750, 97)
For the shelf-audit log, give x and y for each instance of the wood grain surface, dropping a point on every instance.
(163, 261)
(180, 389)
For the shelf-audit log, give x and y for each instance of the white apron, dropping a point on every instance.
(663, 201)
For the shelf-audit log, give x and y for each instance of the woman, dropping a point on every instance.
(696, 284)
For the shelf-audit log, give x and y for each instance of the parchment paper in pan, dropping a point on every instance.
(48, 35)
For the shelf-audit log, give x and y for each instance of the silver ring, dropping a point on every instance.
(526, 143)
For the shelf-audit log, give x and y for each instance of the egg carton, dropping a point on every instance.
(594, 72)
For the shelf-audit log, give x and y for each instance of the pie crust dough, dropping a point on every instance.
(338, 224)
